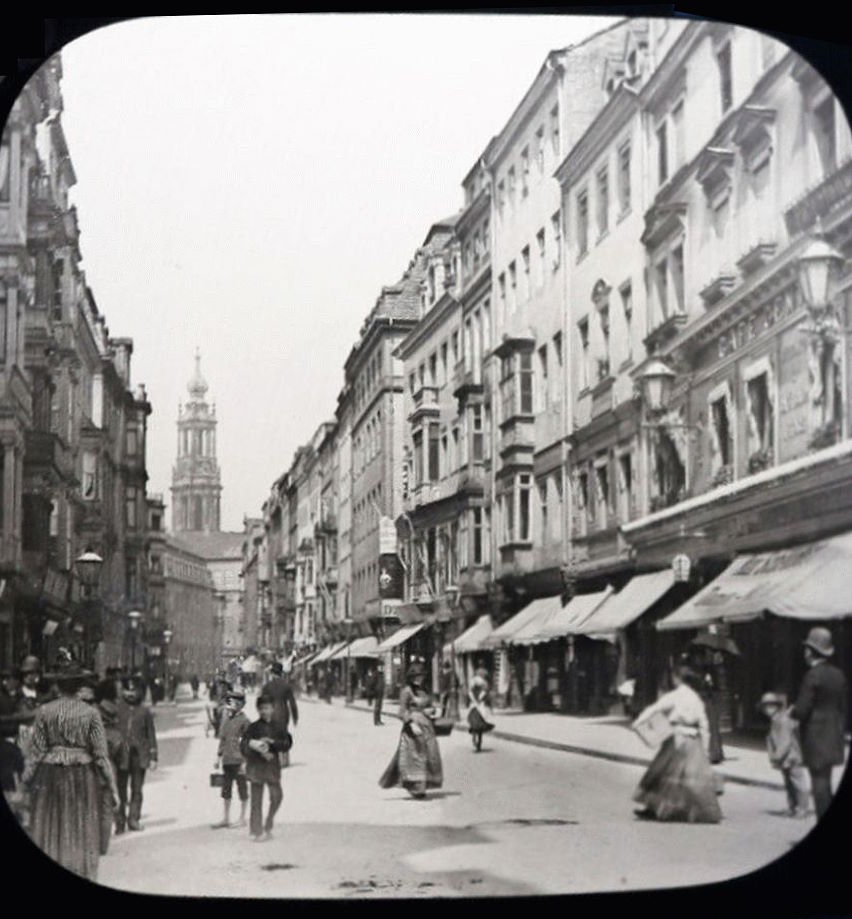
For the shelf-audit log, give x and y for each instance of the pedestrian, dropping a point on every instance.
(283, 701)
(820, 710)
(782, 744)
(194, 684)
(480, 718)
(261, 745)
(416, 765)
(447, 681)
(118, 758)
(230, 756)
(378, 693)
(679, 784)
(136, 724)
(708, 662)
(68, 758)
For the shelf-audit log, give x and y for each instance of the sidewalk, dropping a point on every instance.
(607, 737)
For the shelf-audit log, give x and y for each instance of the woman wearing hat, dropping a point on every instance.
(68, 760)
(416, 765)
(480, 718)
(679, 783)
(821, 712)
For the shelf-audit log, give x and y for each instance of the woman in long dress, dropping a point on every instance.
(679, 784)
(480, 718)
(416, 765)
(67, 765)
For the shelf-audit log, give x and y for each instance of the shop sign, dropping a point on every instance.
(794, 411)
(387, 536)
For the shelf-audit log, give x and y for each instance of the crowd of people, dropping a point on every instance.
(75, 751)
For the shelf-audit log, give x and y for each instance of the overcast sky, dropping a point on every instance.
(247, 185)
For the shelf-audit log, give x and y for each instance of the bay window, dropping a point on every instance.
(516, 509)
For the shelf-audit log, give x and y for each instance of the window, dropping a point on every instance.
(544, 389)
(4, 173)
(501, 196)
(542, 504)
(444, 369)
(4, 307)
(583, 329)
(825, 135)
(463, 541)
(412, 382)
(433, 369)
(58, 269)
(554, 128)
(626, 294)
(602, 492)
(501, 289)
(679, 138)
(676, 267)
(508, 516)
(661, 282)
(726, 93)
(662, 154)
(603, 201)
(540, 273)
(132, 444)
(513, 285)
(539, 149)
(761, 421)
(525, 260)
(722, 430)
(556, 233)
(625, 486)
(603, 363)
(445, 455)
(454, 348)
(582, 222)
(624, 178)
(434, 453)
(583, 497)
(417, 444)
(524, 490)
(477, 435)
(525, 172)
(511, 180)
(526, 382)
(476, 528)
(89, 484)
(130, 507)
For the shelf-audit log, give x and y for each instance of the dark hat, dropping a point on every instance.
(30, 664)
(819, 640)
(772, 698)
(236, 693)
(416, 669)
(277, 668)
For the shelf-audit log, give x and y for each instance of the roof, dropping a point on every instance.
(210, 545)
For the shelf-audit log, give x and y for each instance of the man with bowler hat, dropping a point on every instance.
(136, 724)
(821, 712)
(283, 702)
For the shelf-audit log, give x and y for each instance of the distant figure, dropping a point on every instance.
(782, 744)
(821, 713)
(448, 685)
(378, 693)
(279, 690)
(194, 684)
(480, 717)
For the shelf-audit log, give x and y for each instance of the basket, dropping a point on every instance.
(443, 726)
(217, 779)
(654, 729)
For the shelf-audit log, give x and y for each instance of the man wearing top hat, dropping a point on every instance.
(136, 725)
(821, 712)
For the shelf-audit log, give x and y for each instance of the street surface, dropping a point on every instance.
(511, 820)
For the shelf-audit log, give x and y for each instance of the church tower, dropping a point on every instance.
(196, 486)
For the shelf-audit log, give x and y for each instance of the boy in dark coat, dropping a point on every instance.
(136, 725)
(261, 745)
(821, 712)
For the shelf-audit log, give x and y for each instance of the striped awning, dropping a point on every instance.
(636, 597)
(327, 652)
(400, 636)
(358, 647)
(530, 634)
(471, 640)
(537, 610)
(569, 618)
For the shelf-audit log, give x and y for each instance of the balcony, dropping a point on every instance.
(832, 194)
(718, 288)
(425, 404)
(44, 452)
(756, 257)
(429, 492)
(517, 437)
(466, 382)
(664, 332)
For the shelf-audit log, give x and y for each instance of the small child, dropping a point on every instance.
(785, 754)
(261, 745)
(230, 757)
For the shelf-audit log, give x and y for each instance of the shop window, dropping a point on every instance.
(761, 412)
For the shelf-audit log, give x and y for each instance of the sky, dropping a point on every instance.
(247, 184)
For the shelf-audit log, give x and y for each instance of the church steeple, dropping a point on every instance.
(196, 487)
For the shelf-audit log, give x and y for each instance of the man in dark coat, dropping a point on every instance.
(821, 712)
(279, 690)
(136, 725)
(378, 693)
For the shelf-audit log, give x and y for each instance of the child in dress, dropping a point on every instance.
(782, 744)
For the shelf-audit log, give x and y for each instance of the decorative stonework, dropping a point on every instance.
(753, 135)
(714, 173)
(663, 221)
(756, 257)
(718, 288)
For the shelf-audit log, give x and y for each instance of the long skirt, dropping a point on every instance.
(479, 720)
(679, 784)
(416, 764)
(66, 811)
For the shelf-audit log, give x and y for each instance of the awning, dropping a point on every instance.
(809, 582)
(326, 652)
(548, 608)
(569, 618)
(400, 636)
(637, 596)
(304, 659)
(358, 647)
(471, 639)
(503, 633)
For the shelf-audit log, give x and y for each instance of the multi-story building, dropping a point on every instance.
(253, 582)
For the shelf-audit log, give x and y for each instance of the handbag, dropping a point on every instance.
(217, 779)
(443, 726)
(288, 742)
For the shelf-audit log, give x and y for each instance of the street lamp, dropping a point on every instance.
(816, 266)
(656, 381)
(88, 568)
(134, 616)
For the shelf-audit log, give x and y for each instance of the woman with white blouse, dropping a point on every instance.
(679, 784)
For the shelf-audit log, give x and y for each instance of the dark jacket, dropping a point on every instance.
(821, 713)
(137, 728)
(259, 769)
(116, 744)
(283, 701)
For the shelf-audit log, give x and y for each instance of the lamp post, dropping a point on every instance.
(817, 266)
(88, 568)
(134, 616)
(348, 622)
(167, 637)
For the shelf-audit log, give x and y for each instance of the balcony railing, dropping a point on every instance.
(832, 193)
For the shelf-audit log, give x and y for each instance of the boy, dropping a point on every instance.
(230, 757)
(262, 741)
(782, 742)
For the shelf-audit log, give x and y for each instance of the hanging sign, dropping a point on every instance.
(681, 566)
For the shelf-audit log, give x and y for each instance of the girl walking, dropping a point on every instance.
(480, 718)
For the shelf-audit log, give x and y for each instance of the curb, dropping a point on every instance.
(586, 751)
